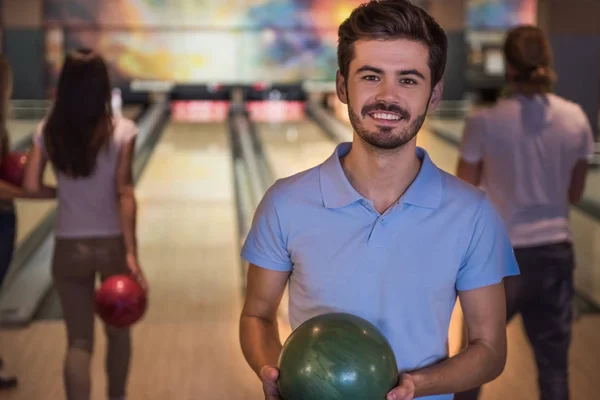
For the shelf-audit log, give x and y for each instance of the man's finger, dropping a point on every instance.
(269, 372)
(400, 393)
(269, 377)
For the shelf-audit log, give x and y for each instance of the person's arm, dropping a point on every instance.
(578, 178)
(33, 182)
(8, 191)
(470, 164)
(259, 334)
(127, 201)
(128, 207)
(580, 170)
(266, 251)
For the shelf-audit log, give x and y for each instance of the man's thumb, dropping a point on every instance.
(269, 373)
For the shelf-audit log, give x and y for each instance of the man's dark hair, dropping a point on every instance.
(391, 20)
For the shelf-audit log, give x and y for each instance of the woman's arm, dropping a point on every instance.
(33, 183)
(128, 208)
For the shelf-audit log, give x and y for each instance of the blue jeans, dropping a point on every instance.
(8, 229)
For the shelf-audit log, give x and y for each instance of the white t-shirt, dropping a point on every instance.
(529, 147)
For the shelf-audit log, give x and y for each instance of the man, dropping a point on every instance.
(378, 230)
(530, 152)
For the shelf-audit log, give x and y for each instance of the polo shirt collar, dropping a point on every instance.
(426, 189)
(337, 191)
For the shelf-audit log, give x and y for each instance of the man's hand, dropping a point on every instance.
(268, 376)
(405, 390)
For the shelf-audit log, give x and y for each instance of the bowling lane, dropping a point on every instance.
(294, 146)
(187, 224)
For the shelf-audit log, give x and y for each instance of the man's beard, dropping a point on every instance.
(386, 137)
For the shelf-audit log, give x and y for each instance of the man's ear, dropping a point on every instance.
(436, 95)
(340, 86)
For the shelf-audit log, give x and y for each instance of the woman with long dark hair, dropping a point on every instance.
(91, 153)
(9, 192)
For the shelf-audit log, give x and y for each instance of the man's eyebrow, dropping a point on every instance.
(411, 72)
(368, 68)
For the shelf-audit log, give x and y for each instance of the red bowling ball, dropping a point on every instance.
(12, 168)
(120, 301)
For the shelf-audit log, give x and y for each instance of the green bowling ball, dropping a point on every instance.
(336, 356)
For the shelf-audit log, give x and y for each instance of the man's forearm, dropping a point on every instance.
(260, 342)
(476, 365)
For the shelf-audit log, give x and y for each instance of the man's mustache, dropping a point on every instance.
(380, 106)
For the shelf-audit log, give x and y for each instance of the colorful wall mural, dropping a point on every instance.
(201, 41)
(500, 14)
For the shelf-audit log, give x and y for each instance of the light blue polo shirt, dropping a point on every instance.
(399, 270)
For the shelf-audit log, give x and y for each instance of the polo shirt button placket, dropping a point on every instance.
(376, 227)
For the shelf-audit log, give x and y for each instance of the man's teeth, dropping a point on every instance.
(391, 117)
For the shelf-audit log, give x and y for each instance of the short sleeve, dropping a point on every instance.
(265, 244)
(489, 257)
(471, 147)
(588, 145)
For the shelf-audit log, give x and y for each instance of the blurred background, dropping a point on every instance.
(231, 95)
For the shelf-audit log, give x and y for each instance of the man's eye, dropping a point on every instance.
(407, 81)
(370, 78)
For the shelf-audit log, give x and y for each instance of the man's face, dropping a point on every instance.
(388, 91)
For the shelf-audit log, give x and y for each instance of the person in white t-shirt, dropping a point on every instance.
(530, 153)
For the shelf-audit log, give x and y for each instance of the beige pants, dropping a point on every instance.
(75, 266)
